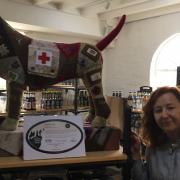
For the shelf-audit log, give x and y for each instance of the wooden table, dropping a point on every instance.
(98, 157)
(93, 160)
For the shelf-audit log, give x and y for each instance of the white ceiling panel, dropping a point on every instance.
(87, 17)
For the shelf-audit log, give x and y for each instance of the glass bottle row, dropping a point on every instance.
(53, 99)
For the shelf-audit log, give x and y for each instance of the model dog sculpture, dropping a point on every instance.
(38, 64)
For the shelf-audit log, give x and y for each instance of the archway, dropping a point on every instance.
(163, 70)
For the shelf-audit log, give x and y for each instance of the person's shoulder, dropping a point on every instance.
(149, 151)
(160, 148)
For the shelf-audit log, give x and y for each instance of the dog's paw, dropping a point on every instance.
(9, 124)
(99, 122)
(89, 118)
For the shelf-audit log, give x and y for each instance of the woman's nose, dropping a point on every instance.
(164, 113)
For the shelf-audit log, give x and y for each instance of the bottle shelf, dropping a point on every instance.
(65, 87)
(54, 100)
(49, 111)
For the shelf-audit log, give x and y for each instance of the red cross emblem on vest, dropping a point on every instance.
(44, 57)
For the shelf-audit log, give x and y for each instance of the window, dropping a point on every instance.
(163, 71)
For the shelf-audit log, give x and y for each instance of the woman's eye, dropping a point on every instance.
(170, 107)
(157, 110)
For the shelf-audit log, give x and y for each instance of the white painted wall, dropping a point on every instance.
(127, 65)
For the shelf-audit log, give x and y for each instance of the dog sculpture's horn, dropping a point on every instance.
(107, 39)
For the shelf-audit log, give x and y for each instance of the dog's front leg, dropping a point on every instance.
(91, 114)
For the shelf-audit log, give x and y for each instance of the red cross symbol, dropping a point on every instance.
(43, 58)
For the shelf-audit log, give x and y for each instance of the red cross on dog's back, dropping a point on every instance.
(43, 57)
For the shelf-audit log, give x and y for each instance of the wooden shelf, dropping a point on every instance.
(91, 157)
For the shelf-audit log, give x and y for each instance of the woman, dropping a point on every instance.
(161, 133)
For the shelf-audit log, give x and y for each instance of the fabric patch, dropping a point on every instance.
(5, 46)
(82, 62)
(15, 65)
(12, 70)
(69, 50)
(91, 52)
(96, 90)
(43, 59)
(94, 76)
(12, 76)
(4, 51)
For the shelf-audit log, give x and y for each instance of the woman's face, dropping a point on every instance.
(167, 113)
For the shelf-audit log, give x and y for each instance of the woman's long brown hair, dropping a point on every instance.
(152, 135)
